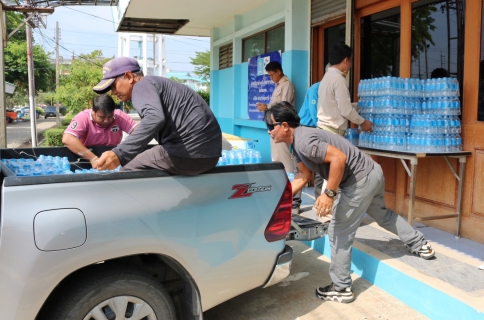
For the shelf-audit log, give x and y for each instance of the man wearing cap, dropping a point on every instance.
(189, 137)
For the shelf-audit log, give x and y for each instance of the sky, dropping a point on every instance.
(84, 29)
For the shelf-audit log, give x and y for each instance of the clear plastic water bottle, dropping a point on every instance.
(240, 157)
(221, 161)
(257, 157)
(232, 157)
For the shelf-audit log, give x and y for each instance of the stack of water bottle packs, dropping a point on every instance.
(239, 156)
(411, 114)
(45, 165)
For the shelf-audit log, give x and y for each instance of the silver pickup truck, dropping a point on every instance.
(141, 245)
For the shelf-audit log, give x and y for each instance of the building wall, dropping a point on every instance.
(229, 87)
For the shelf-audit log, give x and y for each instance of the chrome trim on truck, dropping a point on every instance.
(282, 268)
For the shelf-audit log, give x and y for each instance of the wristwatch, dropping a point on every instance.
(330, 193)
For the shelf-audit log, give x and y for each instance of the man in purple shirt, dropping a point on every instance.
(100, 126)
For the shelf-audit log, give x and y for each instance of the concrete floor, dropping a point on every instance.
(295, 299)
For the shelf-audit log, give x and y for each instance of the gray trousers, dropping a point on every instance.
(365, 196)
(158, 158)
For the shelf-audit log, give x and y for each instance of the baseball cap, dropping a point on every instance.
(113, 69)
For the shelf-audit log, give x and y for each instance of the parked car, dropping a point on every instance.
(11, 115)
(50, 111)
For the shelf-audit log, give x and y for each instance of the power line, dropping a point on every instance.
(81, 57)
(92, 15)
(44, 37)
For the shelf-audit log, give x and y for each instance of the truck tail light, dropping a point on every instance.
(280, 222)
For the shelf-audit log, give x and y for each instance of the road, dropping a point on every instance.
(19, 132)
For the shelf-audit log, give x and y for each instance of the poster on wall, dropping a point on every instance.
(260, 84)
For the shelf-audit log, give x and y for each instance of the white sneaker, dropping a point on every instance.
(426, 252)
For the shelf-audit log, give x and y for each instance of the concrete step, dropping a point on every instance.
(450, 286)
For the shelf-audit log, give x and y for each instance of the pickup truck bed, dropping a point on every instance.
(197, 241)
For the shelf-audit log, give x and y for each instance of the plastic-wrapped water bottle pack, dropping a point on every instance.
(46, 165)
(352, 136)
(233, 157)
(411, 114)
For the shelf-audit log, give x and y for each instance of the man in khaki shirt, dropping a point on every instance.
(334, 101)
(284, 91)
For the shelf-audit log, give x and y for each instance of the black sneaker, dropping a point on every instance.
(329, 293)
(426, 252)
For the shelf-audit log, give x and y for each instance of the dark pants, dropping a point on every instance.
(158, 158)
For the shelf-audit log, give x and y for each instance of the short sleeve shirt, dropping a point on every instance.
(311, 144)
(91, 134)
(284, 91)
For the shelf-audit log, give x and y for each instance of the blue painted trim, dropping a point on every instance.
(420, 296)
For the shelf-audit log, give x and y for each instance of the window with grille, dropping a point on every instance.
(225, 56)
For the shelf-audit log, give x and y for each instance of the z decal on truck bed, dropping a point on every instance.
(246, 190)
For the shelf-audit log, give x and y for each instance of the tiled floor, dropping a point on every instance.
(443, 267)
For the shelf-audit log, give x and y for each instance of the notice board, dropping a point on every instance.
(260, 84)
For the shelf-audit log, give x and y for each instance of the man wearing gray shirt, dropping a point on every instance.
(189, 136)
(355, 186)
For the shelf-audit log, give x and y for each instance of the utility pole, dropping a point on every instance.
(3, 124)
(30, 67)
(57, 117)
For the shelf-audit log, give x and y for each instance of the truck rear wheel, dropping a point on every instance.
(122, 293)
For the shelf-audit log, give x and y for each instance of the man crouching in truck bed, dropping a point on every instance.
(189, 136)
(103, 125)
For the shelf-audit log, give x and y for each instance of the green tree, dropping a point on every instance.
(13, 20)
(202, 64)
(16, 99)
(176, 79)
(75, 89)
(16, 70)
(422, 25)
(46, 98)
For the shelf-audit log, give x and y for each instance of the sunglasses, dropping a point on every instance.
(270, 126)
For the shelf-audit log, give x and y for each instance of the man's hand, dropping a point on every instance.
(261, 106)
(367, 126)
(323, 205)
(108, 161)
(94, 162)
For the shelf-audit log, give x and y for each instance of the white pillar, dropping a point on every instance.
(145, 54)
(120, 44)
